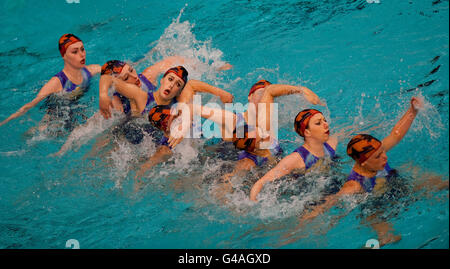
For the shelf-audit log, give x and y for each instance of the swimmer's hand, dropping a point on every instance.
(226, 97)
(177, 132)
(105, 104)
(56, 154)
(224, 67)
(311, 97)
(255, 190)
(416, 103)
(174, 141)
(141, 172)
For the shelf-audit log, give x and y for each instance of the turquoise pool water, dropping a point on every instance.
(366, 60)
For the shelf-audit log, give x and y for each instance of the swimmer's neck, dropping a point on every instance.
(358, 168)
(315, 147)
(73, 74)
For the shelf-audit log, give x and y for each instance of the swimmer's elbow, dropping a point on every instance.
(26, 107)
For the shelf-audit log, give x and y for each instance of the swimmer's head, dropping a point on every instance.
(247, 144)
(180, 71)
(367, 151)
(172, 83)
(72, 50)
(113, 67)
(257, 90)
(65, 41)
(161, 117)
(318, 128)
(122, 71)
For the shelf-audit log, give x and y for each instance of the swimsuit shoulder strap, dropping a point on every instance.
(62, 78)
(304, 153)
(366, 183)
(150, 102)
(150, 87)
(329, 150)
(87, 73)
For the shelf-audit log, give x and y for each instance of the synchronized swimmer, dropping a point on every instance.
(138, 96)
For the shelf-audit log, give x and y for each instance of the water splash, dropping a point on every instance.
(179, 39)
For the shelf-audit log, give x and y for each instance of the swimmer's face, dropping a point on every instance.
(129, 75)
(256, 96)
(75, 55)
(318, 128)
(171, 86)
(376, 161)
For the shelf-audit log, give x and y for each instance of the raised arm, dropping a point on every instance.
(275, 90)
(284, 167)
(128, 90)
(52, 86)
(200, 86)
(402, 126)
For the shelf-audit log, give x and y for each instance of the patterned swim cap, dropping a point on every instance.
(244, 143)
(113, 67)
(180, 71)
(65, 41)
(302, 120)
(258, 85)
(159, 116)
(362, 146)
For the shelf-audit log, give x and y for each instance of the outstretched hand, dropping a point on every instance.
(224, 67)
(226, 98)
(312, 97)
(416, 103)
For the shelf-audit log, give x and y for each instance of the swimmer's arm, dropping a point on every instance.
(52, 86)
(94, 69)
(200, 86)
(105, 103)
(80, 133)
(402, 126)
(162, 154)
(333, 141)
(219, 116)
(128, 90)
(152, 72)
(275, 90)
(284, 167)
(349, 188)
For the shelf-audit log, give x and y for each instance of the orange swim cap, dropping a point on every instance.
(159, 116)
(65, 41)
(302, 120)
(113, 67)
(362, 146)
(258, 85)
(180, 71)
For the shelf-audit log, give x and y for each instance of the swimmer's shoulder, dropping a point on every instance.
(52, 86)
(294, 161)
(351, 187)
